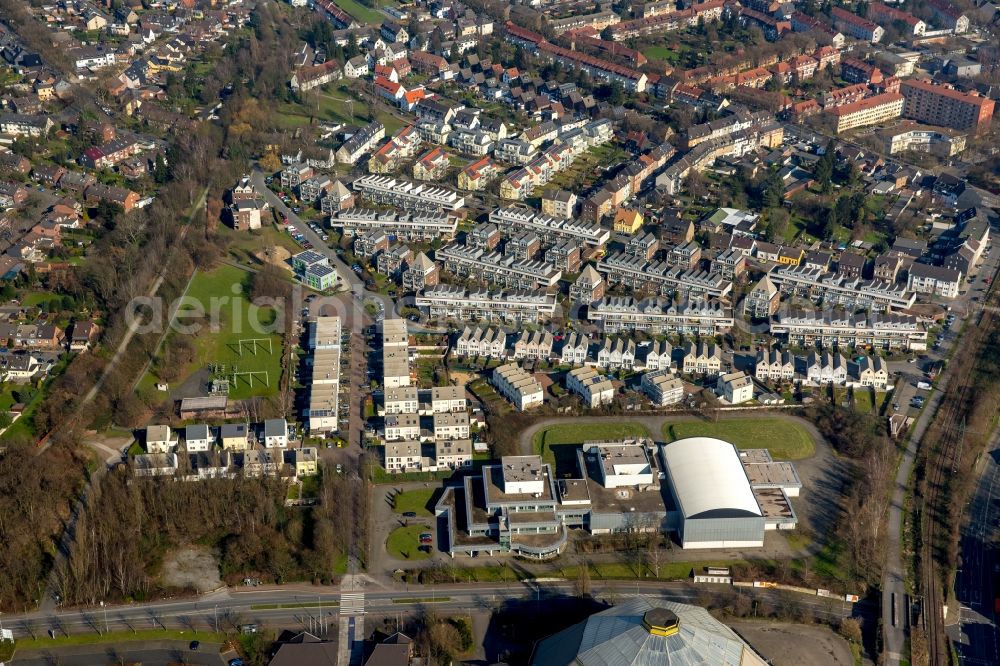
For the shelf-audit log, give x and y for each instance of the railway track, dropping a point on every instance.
(942, 464)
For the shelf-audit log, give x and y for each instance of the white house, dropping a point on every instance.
(275, 433)
(198, 438)
(735, 387)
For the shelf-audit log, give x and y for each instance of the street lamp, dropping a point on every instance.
(105, 608)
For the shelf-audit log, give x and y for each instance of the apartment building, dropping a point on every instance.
(940, 105)
(513, 306)
(451, 425)
(935, 280)
(559, 204)
(937, 141)
(421, 273)
(517, 386)
(592, 387)
(493, 267)
(762, 300)
(395, 353)
(884, 14)
(549, 229)
(423, 226)
(855, 26)
(589, 286)
(394, 261)
(564, 255)
(361, 143)
(635, 272)
(833, 290)
(401, 427)
(662, 387)
(432, 165)
(868, 111)
(847, 329)
(400, 400)
(401, 457)
(478, 175)
(407, 195)
(694, 315)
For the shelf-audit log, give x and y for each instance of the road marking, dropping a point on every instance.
(352, 603)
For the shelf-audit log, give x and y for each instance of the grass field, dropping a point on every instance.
(115, 637)
(225, 318)
(786, 440)
(361, 12)
(404, 543)
(331, 105)
(417, 501)
(553, 443)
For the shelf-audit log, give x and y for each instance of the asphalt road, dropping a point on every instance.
(301, 609)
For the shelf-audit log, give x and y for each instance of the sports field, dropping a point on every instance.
(785, 439)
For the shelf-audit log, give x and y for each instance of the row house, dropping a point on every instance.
(701, 358)
(731, 263)
(575, 349)
(844, 329)
(619, 268)
(695, 315)
(825, 368)
(407, 194)
(486, 236)
(774, 365)
(656, 355)
(461, 304)
(643, 245)
(425, 226)
(805, 23)
(549, 229)
(832, 290)
(534, 345)
(464, 261)
(616, 354)
(489, 342)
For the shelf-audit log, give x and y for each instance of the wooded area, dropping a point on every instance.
(131, 526)
(36, 493)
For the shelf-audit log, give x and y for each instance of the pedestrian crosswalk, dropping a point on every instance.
(352, 603)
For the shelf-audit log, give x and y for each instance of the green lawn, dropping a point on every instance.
(417, 501)
(786, 440)
(361, 12)
(403, 543)
(229, 318)
(659, 53)
(552, 443)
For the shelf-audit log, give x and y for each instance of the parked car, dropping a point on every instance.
(408, 514)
